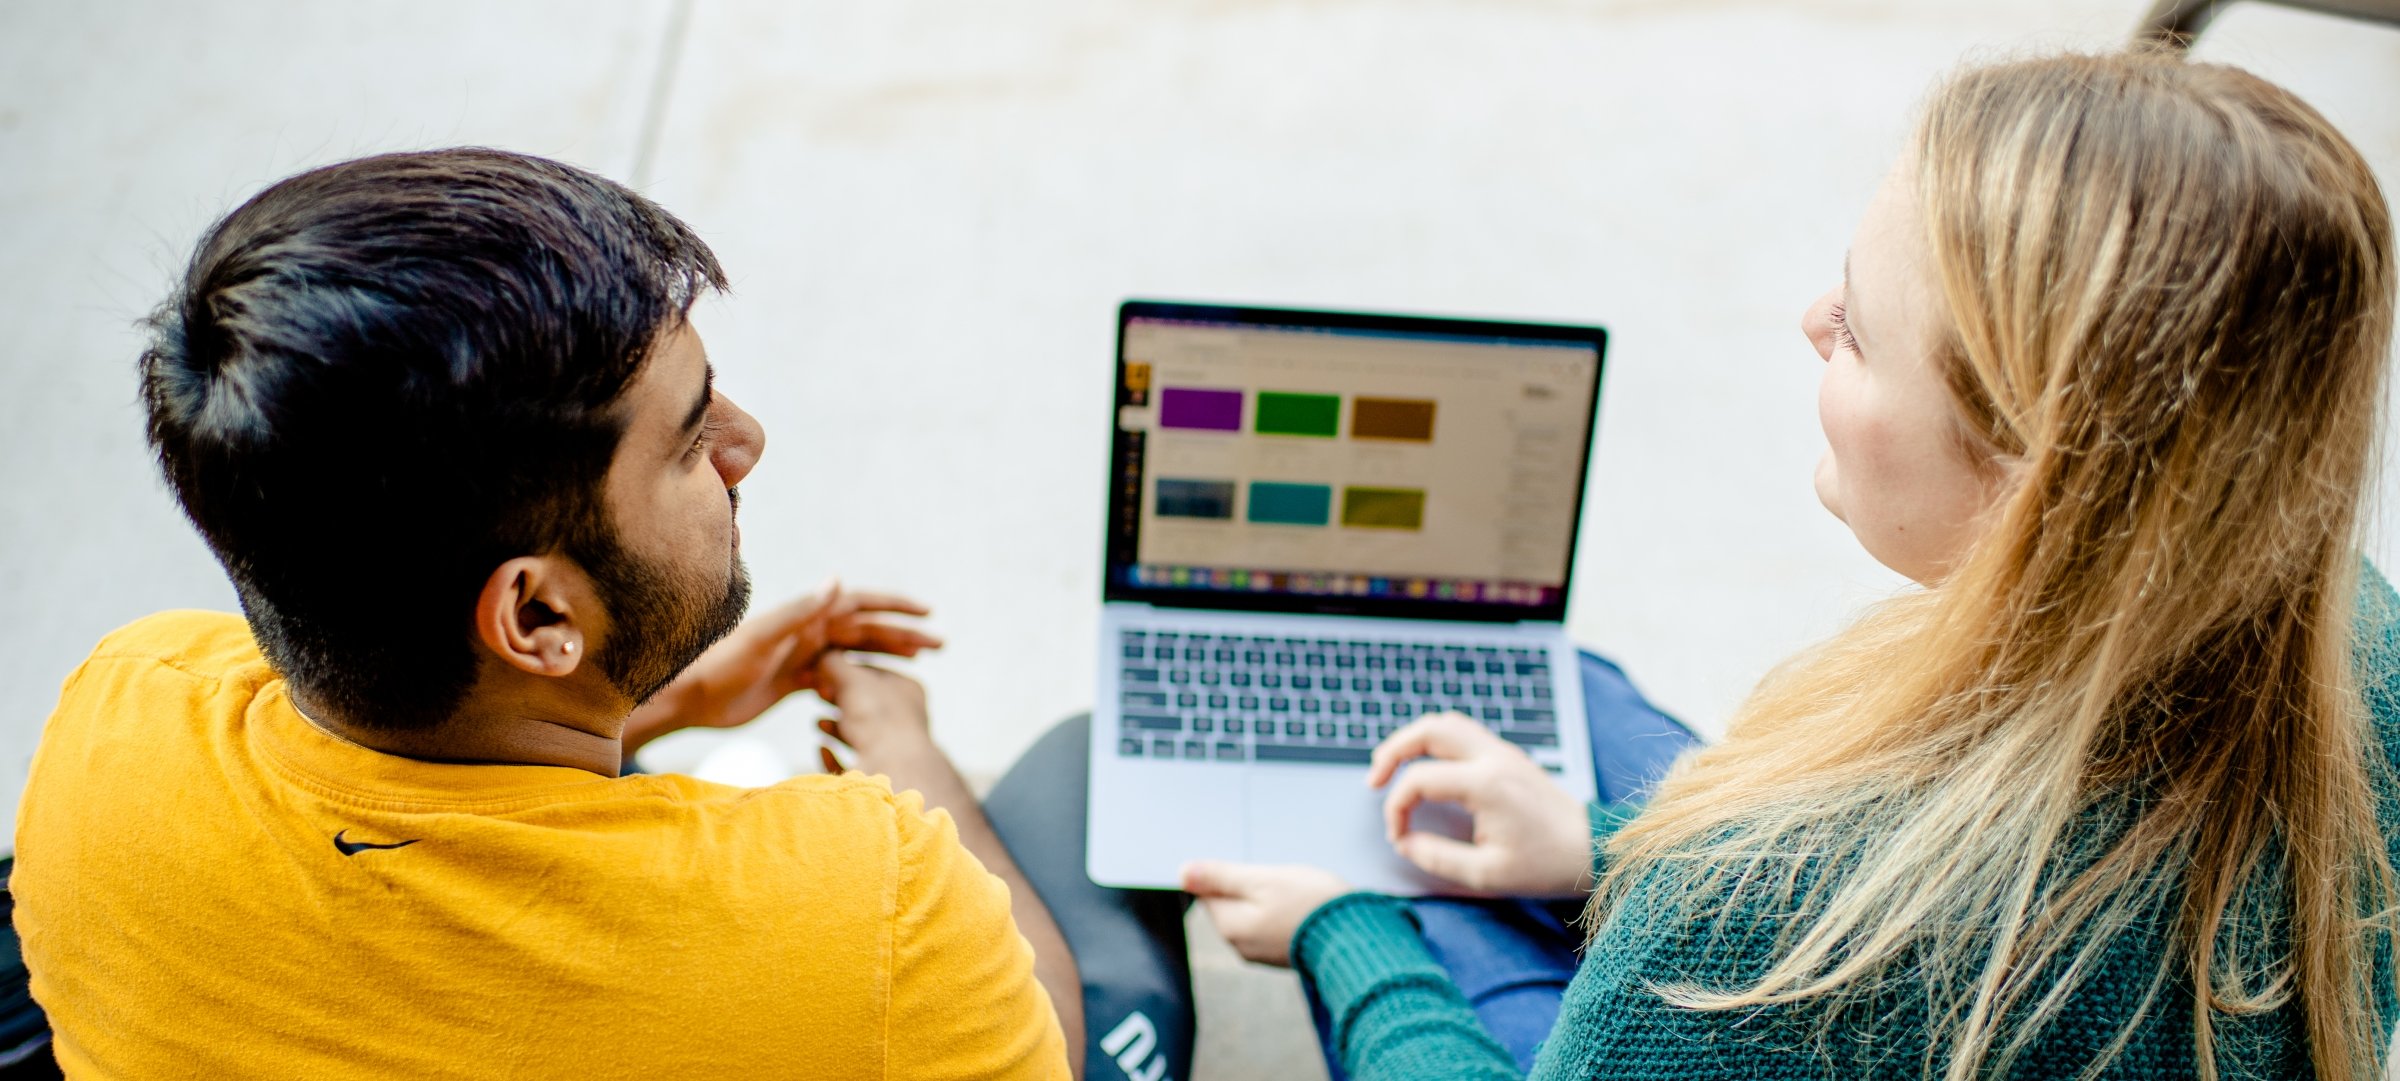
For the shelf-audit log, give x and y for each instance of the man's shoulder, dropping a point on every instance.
(197, 643)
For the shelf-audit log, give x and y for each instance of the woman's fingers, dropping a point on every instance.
(1450, 782)
(1438, 735)
(1211, 878)
(1446, 858)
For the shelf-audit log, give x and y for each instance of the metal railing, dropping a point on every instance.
(2177, 22)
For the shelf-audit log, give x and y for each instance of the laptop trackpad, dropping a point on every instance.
(1331, 819)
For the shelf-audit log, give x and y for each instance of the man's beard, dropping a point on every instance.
(661, 618)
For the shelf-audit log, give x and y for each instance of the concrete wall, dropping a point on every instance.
(931, 207)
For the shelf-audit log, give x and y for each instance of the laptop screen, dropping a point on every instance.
(1315, 461)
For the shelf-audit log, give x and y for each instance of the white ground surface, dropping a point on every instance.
(930, 209)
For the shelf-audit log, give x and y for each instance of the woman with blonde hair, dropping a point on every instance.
(2110, 795)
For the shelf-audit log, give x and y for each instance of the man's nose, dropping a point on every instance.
(737, 450)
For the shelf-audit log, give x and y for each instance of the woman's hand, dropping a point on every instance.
(1530, 839)
(1258, 907)
(774, 654)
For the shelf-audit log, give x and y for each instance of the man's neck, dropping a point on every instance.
(512, 731)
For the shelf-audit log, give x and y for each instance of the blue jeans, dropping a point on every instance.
(1511, 958)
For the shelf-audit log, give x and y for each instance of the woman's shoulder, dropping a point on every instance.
(2376, 652)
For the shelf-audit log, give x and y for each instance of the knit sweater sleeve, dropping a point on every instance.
(1394, 1012)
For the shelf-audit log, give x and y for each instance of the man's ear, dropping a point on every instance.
(537, 614)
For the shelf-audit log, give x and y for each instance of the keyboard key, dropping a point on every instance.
(1511, 690)
(1218, 701)
(1311, 705)
(1374, 664)
(1224, 656)
(1234, 725)
(1247, 701)
(1228, 751)
(1453, 688)
(1238, 679)
(1137, 652)
(1130, 748)
(1210, 677)
(1193, 748)
(1525, 668)
(1493, 713)
(1345, 661)
(1405, 664)
(1370, 709)
(1279, 704)
(1526, 737)
(1327, 729)
(1291, 752)
(1252, 656)
(1539, 691)
(1338, 707)
(1480, 690)
(1356, 731)
(1187, 700)
(1421, 686)
(1204, 724)
(1141, 675)
(1384, 731)
(1154, 722)
(1269, 680)
(1302, 683)
(1393, 686)
(1534, 716)
(1146, 698)
(1295, 729)
(1162, 748)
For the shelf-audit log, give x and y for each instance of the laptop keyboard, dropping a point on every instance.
(1243, 698)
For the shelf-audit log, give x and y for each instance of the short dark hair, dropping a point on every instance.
(379, 380)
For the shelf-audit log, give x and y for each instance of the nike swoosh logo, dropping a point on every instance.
(352, 848)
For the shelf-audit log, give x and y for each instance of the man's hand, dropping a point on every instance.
(883, 714)
(1258, 907)
(1531, 839)
(774, 654)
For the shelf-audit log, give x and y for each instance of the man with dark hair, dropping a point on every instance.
(444, 420)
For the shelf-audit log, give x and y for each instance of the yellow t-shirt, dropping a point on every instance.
(197, 900)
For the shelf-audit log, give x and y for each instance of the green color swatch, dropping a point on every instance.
(1285, 413)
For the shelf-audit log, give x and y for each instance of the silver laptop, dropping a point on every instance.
(1322, 526)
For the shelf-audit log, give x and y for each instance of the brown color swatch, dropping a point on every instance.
(1391, 418)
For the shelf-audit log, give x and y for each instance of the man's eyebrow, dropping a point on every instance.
(708, 391)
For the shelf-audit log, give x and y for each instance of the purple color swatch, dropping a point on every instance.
(1204, 410)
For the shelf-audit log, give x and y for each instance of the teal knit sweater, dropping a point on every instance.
(1395, 1014)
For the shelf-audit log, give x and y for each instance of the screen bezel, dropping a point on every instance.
(1122, 545)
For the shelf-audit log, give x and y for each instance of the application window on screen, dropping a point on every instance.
(1313, 455)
